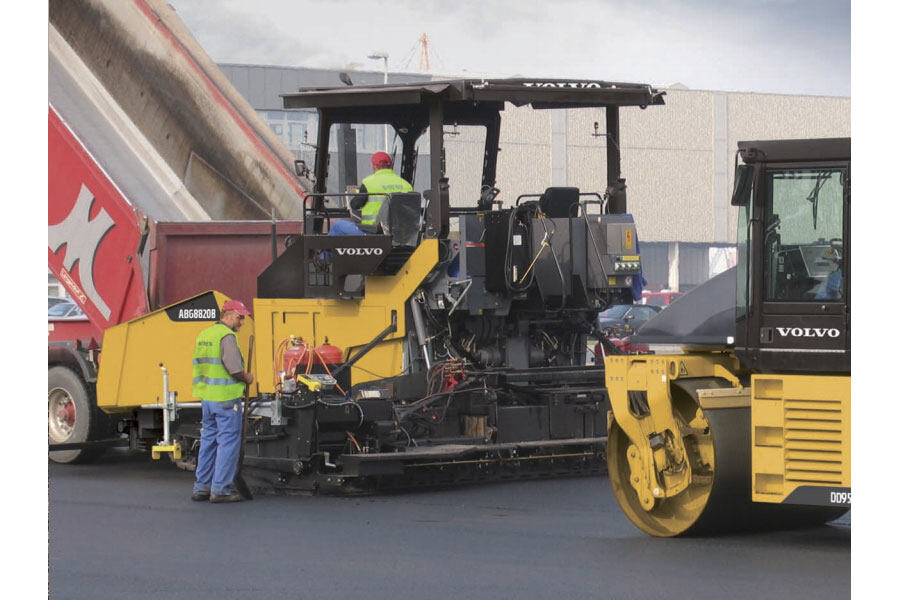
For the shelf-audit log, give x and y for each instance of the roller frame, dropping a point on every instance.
(624, 373)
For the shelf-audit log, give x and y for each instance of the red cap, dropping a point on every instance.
(236, 305)
(381, 160)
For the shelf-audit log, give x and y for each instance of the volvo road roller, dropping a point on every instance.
(446, 345)
(748, 426)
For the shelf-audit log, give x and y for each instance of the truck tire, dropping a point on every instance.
(72, 416)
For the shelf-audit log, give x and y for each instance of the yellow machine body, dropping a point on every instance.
(801, 438)
(347, 324)
(130, 374)
(682, 430)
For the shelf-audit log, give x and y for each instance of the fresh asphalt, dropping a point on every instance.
(125, 527)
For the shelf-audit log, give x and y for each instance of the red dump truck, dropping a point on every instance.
(157, 168)
(117, 264)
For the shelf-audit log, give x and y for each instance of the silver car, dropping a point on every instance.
(65, 310)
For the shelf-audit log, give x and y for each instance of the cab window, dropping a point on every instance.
(803, 234)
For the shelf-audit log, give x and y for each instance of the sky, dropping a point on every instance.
(769, 46)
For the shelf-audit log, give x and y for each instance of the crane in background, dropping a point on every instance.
(423, 45)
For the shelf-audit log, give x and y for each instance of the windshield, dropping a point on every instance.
(351, 147)
(803, 236)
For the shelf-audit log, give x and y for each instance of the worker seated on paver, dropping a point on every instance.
(368, 204)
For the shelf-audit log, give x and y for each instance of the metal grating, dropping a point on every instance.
(812, 441)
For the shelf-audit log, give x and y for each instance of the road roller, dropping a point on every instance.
(746, 424)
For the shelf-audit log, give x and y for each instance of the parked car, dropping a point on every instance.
(661, 299)
(65, 310)
(624, 319)
(54, 300)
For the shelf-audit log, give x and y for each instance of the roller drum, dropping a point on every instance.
(710, 505)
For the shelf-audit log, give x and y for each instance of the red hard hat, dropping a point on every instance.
(237, 306)
(381, 160)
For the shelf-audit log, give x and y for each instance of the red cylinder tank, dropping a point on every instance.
(328, 354)
(297, 354)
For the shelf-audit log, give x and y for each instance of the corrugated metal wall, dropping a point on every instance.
(655, 261)
(693, 265)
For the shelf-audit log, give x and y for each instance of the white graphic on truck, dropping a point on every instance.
(81, 236)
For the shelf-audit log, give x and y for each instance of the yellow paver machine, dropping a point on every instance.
(449, 346)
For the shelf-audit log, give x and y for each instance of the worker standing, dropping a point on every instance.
(383, 180)
(219, 380)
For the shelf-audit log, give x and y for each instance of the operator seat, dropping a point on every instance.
(400, 216)
(558, 202)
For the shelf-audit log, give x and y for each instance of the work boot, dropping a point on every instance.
(232, 497)
(200, 496)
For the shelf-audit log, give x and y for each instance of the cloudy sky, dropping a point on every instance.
(779, 46)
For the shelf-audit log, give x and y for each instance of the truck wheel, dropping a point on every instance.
(71, 415)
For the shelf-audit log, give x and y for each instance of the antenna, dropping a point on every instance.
(424, 61)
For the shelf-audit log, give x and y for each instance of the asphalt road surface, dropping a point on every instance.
(126, 528)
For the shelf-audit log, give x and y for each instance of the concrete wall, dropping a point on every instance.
(678, 159)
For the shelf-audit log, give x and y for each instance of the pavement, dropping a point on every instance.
(126, 528)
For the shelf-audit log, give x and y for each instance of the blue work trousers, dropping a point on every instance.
(345, 227)
(220, 445)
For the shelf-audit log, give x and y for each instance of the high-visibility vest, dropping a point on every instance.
(212, 381)
(383, 181)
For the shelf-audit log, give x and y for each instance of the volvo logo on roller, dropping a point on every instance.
(359, 251)
(808, 332)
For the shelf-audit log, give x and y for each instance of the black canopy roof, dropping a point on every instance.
(414, 108)
(539, 93)
(824, 149)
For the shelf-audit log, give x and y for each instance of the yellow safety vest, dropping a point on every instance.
(383, 181)
(212, 381)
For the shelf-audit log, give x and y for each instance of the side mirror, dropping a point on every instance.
(743, 185)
